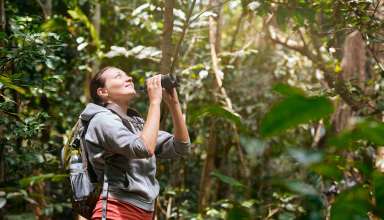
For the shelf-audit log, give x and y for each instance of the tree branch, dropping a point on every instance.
(334, 80)
(183, 33)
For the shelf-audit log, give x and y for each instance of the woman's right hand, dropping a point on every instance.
(154, 89)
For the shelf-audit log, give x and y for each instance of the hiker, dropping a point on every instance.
(122, 147)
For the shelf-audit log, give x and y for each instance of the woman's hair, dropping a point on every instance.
(96, 82)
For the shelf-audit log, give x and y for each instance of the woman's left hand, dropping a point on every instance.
(171, 99)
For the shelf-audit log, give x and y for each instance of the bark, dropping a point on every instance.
(2, 15)
(2, 128)
(46, 7)
(166, 45)
(354, 59)
(96, 23)
(206, 181)
(95, 63)
(353, 71)
(166, 51)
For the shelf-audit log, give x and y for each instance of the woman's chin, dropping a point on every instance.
(130, 95)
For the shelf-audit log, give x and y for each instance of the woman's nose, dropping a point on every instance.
(129, 79)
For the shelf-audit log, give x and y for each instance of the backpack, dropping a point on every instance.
(85, 187)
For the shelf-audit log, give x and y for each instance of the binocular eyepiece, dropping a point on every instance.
(167, 82)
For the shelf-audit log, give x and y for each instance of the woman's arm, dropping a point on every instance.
(180, 128)
(151, 125)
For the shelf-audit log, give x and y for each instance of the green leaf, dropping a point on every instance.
(238, 213)
(282, 16)
(288, 90)
(351, 204)
(301, 188)
(328, 170)
(78, 14)
(28, 181)
(20, 216)
(227, 179)
(364, 129)
(57, 24)
(292, 111)
(218, 111)
(7, 82)
(378, 190)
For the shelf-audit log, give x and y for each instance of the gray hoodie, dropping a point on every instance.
(130, 169)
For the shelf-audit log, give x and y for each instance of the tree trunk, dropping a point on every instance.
(209, 165)
(95, 62)
(2, 15)
(166, 51)
(219, 92)
(166, 44)
(96, 23)
(46, 7)
(2, 128)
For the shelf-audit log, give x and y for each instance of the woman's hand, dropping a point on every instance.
(154, 89)
(171, 98)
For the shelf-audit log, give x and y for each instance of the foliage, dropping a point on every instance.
(278, 153)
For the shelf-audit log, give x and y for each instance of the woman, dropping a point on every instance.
(124, 147)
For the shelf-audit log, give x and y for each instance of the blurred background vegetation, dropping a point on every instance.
(284, 101)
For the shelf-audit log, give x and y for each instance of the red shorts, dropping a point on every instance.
(117, 210)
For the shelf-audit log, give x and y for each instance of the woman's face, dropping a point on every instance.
(118, 85)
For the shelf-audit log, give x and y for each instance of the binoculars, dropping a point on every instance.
(167, 82)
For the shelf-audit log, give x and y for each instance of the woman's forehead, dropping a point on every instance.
(110, 72)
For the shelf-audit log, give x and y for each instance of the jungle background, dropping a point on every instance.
(283, 99)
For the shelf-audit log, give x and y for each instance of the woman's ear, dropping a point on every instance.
(103, 93)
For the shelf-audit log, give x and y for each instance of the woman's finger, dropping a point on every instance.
(158, 80)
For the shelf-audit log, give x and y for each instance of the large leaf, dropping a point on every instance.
(364, 129)
(288, 90)
(352, 204)
(238, 213)
(292, 111)
(328, 170)
(218, 111)
(378, 189)
(227, 179)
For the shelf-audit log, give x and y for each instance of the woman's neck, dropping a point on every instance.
(122, 106)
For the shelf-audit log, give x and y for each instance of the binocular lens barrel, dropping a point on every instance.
(167, 82)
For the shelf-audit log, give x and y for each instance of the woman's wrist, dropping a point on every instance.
(155, 103)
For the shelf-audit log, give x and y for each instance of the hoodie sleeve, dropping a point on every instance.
(168, 147)
(107, 130)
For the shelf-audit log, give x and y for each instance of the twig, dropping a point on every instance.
(374, 12)
(43, 8)
(14, 115)
(169, 208)
(375, 58)
(237, 30)
(207, 9)
(185, 27)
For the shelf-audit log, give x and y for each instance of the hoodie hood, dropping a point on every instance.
(91, 110)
